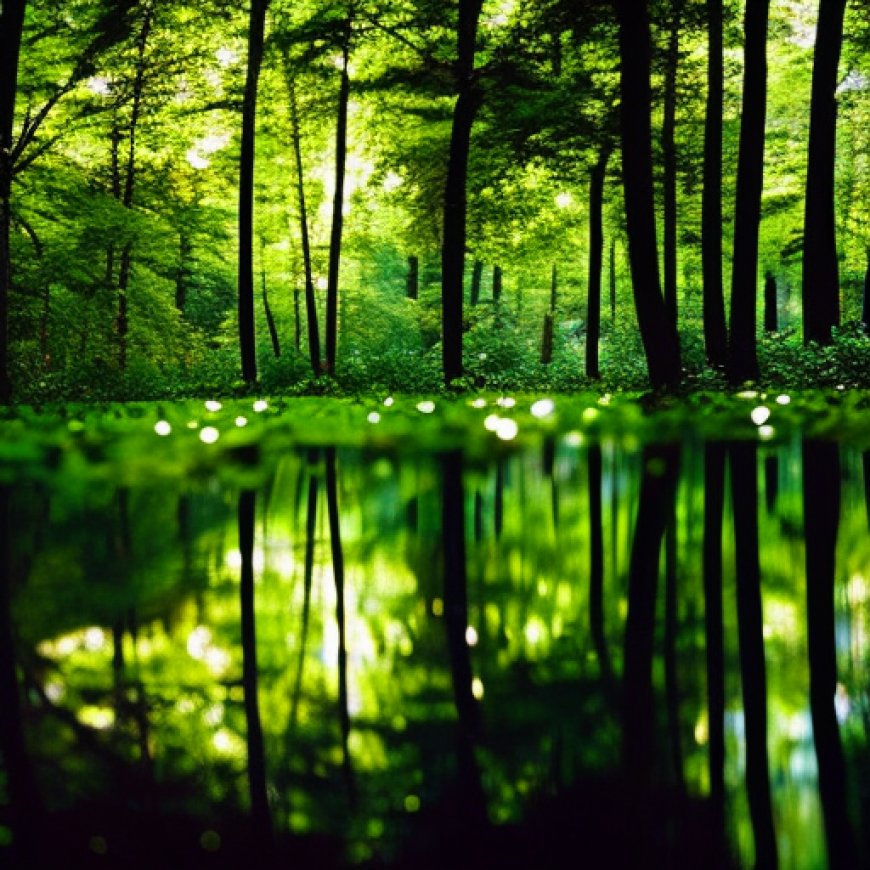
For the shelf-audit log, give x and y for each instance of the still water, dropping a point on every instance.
(581, 651)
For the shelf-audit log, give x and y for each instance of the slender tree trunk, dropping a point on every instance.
(126, 261)
(821, 276)
(412, 290)
(297, 321)
(11, 26)
(821, 499)
(742, 355)
(669, 653)
(744, 497)
(554, 287)
(310, 300)
(770, 312)
(596, 256)
(497, 283)
(596, 570)
(261, 816)
(270, 319)
(468, 99)
(669, 157)
(547, 339)
(476, 279)
(658, 333)
(337, 208)
(715, 332)
(247, 331)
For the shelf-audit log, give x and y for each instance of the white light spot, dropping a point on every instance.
(99, 85)
(260, 405)
(392, 181)
(162, 428)
(241, 422)
(374, 417)
(506, 402)
(198, 641)
(765, 433)
(223, 741)
(748, 394)
(477, 688)
(507, 429)
(491, 422)
(478, 403)
(389, 402)
(760, 415)
(426, 407)
(226, 56)
(197, 160)
(471, 636)
(564, 200)
(322, 283)
(95, 638)
(209, 435)
(783, 400)
(543, 408)
(54, 691)
(574, 439)
(213, 406)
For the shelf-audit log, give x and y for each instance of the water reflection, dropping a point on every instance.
(629, 656)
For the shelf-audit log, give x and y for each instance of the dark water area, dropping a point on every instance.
(584, 651)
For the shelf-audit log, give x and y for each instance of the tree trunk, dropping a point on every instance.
(247, 331)
(310, 301)
(669, 157)
(337, 208)
(658, 333)
(547, 339)
(596, 257)
(497, 283)
(612, 280)
(267, 310)
(126, 262)
(554, 287)
(413, 282)
(715, 332)
(770, 313)
(742, 356)
(297, 321)
(821, 278)
(11, 25)
(476, 279)
(468, 99)
(821, 499)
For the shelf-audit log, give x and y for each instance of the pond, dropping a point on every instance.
(413, 634)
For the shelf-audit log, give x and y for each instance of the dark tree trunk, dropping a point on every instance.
(547, 339)
(771, 319)
(658, 333)
(744, 497)
(714, 500)
(742, 355)
(126, 262)
(413, 284)
(554, 287)
(821, 499)
(297, 321)
(715, 332)
(596, 257)
(672, 687)
(337, 207)
(476, 279)
(338, 572)
(612, 279)
(657, 493)
(821, 278)
(247, 332)
(260, 815)
(455, 194)
(270, 319)
(11, 25)
(310, 301)
(497, 283)
(669, 159)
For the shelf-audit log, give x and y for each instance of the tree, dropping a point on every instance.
(821, 279)
(247, 336)
(658, 331)
(11, 26)
(742, 356)
(468, 101)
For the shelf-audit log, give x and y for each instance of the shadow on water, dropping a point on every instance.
(541, 660)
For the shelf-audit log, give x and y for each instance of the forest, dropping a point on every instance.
(343, 196)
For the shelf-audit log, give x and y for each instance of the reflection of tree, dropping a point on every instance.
(672, 689)
(744, 489)
(338, 573)
(261, 817)
(596, 569)
(714, 499)
(20, 785)
(821, 498)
